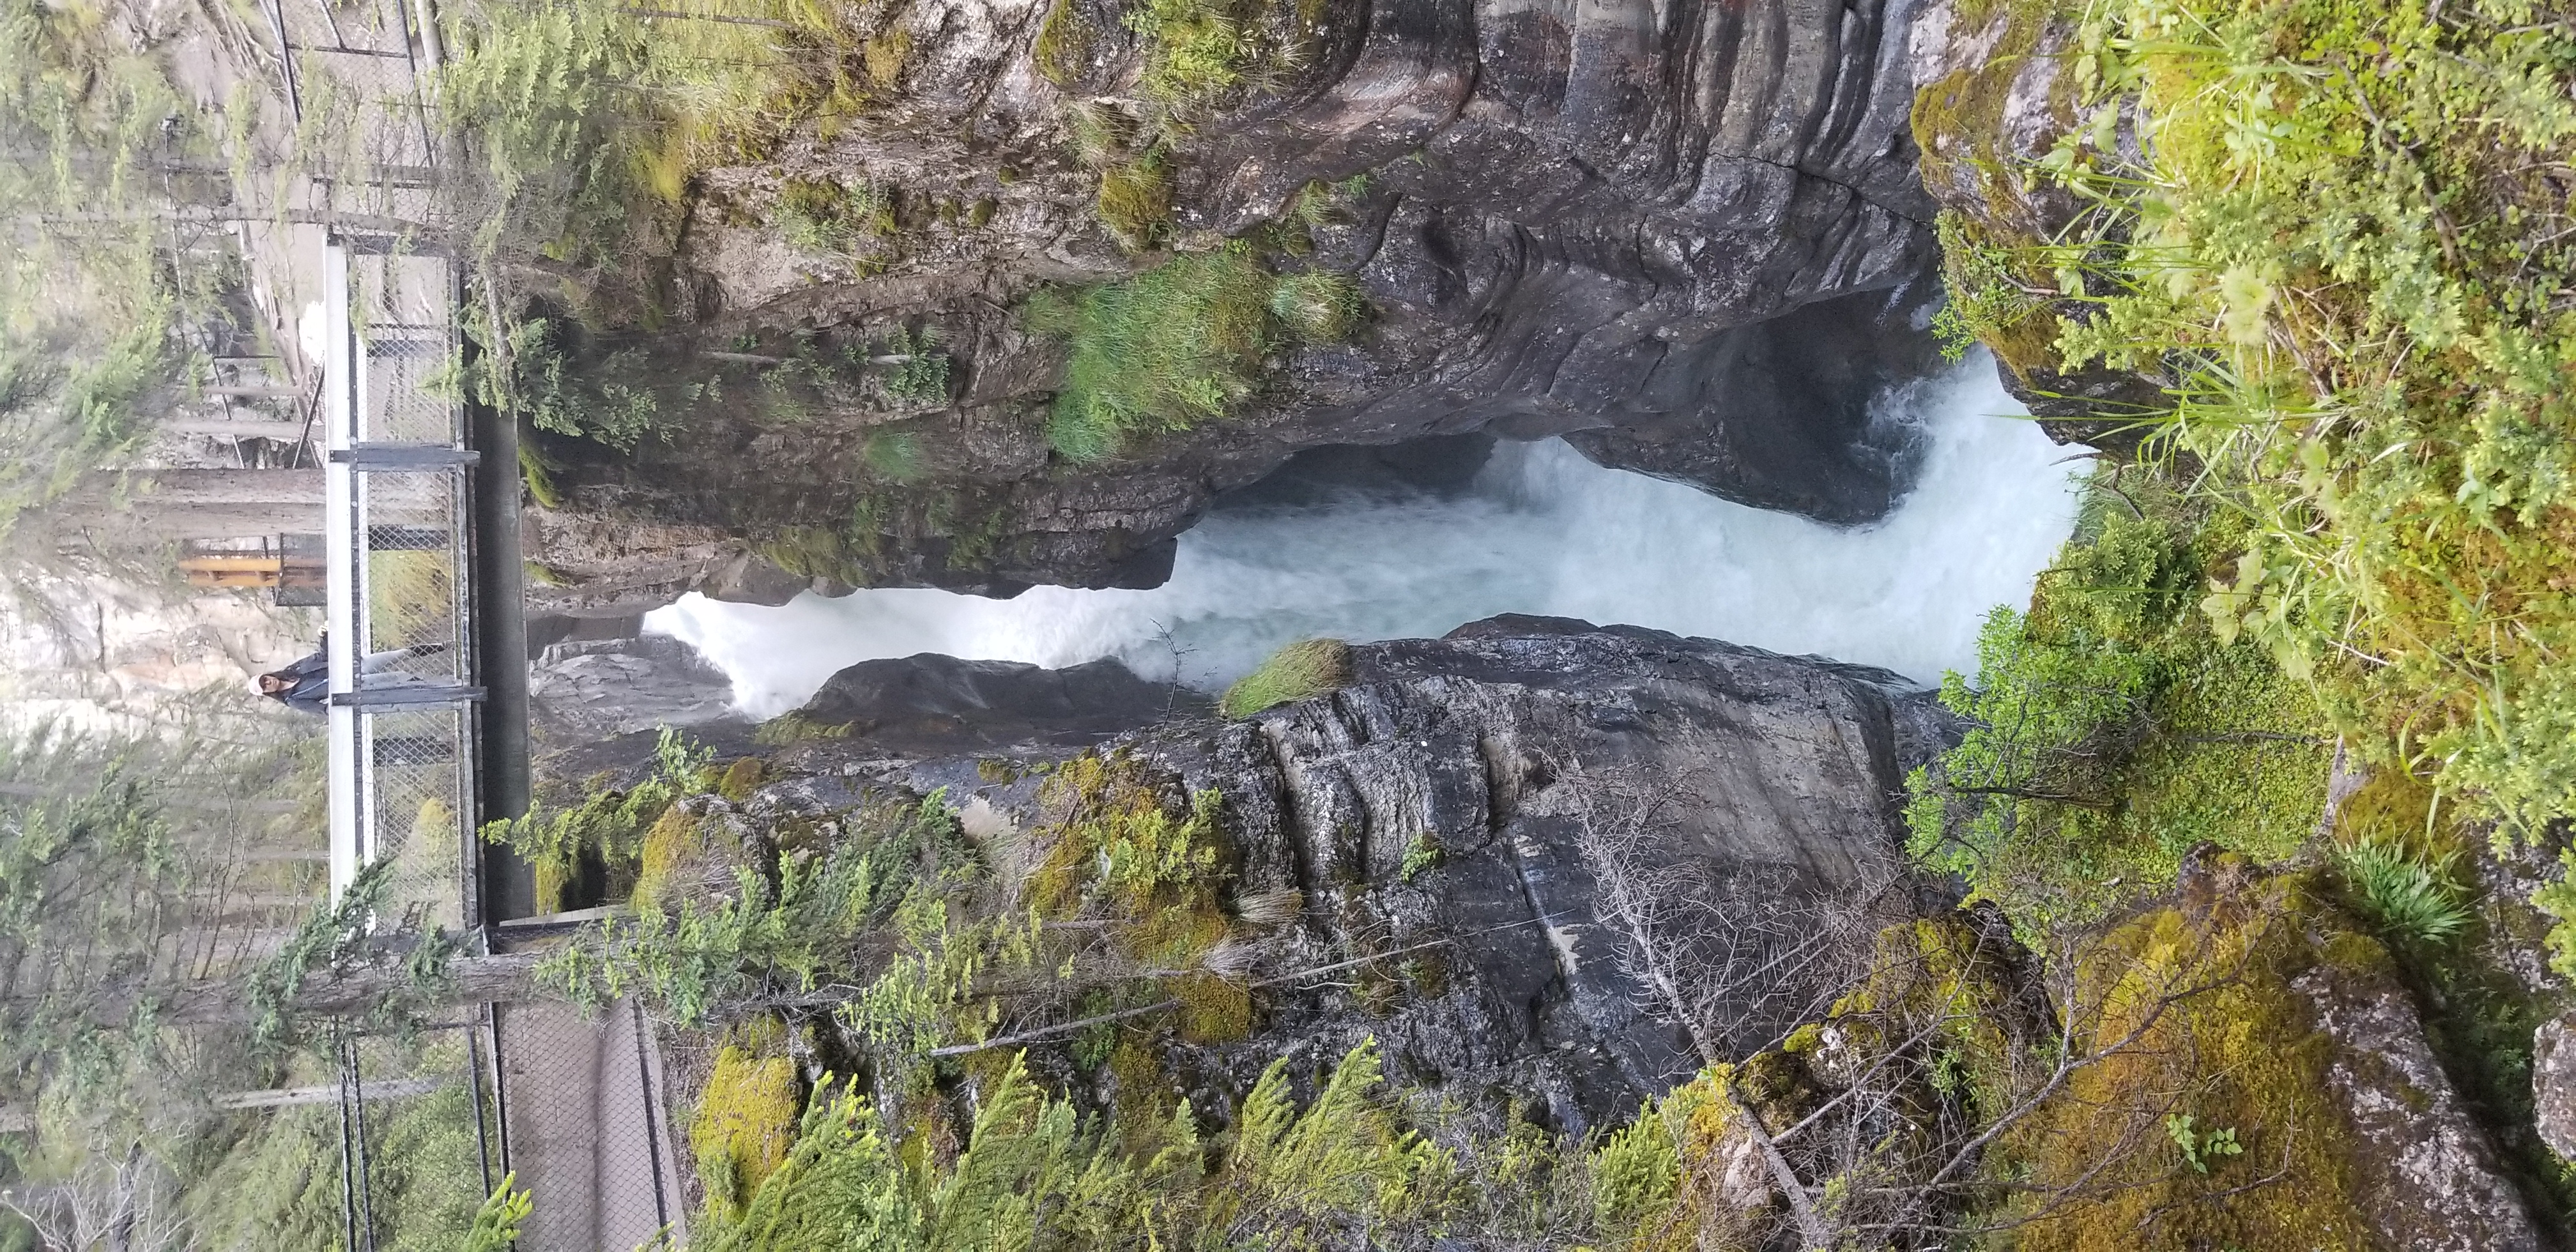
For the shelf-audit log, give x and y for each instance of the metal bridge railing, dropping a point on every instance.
(419, 1130)
(430, 1121)
(398, 545)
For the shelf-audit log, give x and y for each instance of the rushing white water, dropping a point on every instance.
(1543, 531)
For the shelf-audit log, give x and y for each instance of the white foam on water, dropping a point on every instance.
(1543, 531)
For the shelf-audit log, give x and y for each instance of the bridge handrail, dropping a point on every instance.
(398, 547)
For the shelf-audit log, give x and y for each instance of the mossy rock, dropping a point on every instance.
(818, 552)
(674, 838)
(1135, 200)
(746, 1122)
(1142, 1090)
(1959, 120)
(885, 57)
(740, 779)
(1213, 1009)
(2247, 1002)
(2251, 1006)
(1064, 43)
(2395, 807)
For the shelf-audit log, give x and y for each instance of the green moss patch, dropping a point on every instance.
(672, 839)
(832, 216)
(2220, 1036)
(746, 1121)
(2113, 730)
(598, 831)
(1118, 845)
(1958, 119)
(1064, 43)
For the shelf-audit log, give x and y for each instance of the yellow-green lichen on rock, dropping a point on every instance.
(746, 1120)
(673, 838)
(2197, 1017)
(1117, 843)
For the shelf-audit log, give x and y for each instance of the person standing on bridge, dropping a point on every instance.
(306, 684)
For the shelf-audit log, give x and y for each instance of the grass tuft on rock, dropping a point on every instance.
(894, 456)
(832, 216)
(1306, 668)
(1196, 51)
(1183, 343)
(1135, 200)
(2408, 896)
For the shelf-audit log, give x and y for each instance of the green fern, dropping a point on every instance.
(1035, 1174)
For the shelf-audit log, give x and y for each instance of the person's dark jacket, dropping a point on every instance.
(308, 684)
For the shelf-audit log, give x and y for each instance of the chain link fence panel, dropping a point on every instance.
(412, 557)
(419, 792)
(419, 1135)
(589, 1134)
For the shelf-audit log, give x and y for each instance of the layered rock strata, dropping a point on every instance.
(1563, 218)
(1440, 806)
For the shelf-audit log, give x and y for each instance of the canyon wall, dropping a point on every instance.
(1564, 220)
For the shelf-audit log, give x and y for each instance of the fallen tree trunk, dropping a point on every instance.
(501, 978)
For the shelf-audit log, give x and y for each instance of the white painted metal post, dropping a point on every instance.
(339, 548)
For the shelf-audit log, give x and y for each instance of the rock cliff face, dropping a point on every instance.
(1438, 808)
(1993, 101)
(1575, 218)
(2434, 1179)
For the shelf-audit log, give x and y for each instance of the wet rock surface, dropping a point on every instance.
(1497, 750)
(1797, 415)
(587, 689)
(931, 704)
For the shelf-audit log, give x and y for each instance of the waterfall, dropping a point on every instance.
(1542, 531)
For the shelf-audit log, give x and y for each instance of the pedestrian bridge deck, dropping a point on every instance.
(398, 539)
